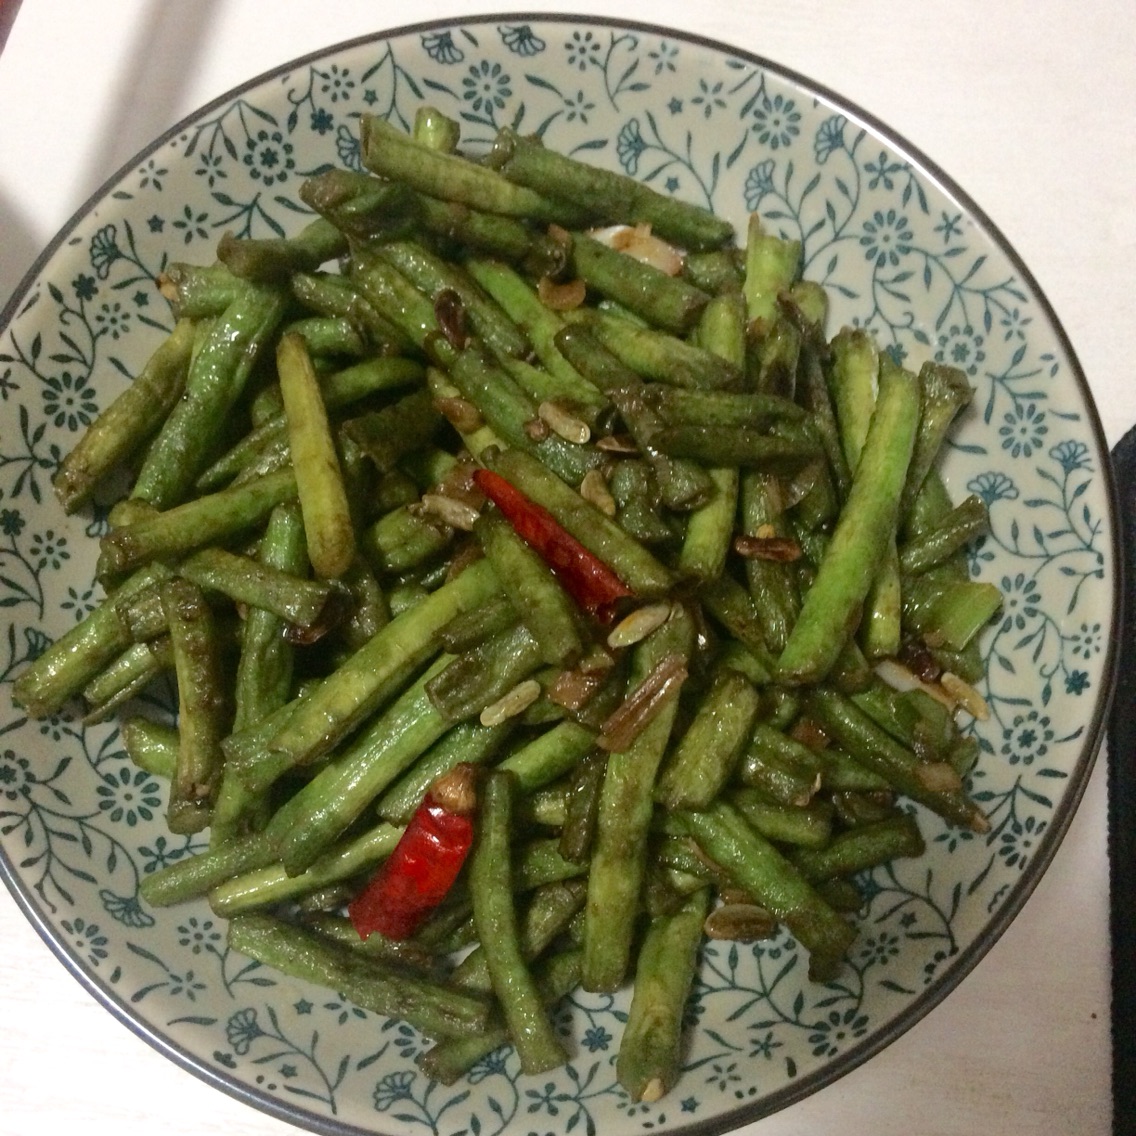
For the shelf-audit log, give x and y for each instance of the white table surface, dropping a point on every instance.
(1031, 107)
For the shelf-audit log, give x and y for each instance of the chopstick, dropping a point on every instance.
(8, 10)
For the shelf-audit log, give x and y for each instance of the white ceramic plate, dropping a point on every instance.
(901, 250)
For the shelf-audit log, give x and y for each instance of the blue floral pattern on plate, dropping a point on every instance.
(899, 253)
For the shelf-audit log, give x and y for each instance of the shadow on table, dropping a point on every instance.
(21, 247)
(148, 99)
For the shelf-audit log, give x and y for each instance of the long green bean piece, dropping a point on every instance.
(606, 196)
(218, 374)
(496, 920)
(619, 855)
(866, 526)
(203, 706)
(436, 1010)
(774, 882)
(649, 1058)
(121, 430)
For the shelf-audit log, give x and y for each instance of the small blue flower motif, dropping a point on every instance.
(1071, 456)
(758, 183)
(949, 226)
(322, 122)
(209, 166)
(125, 909)
(886, 238)
(777, 121)
(11, 522)
(104, 250)
(486, 86)
(394, 1087)
(583, 49)
(407, 1042)
(1014, 324)
(631, 1107)
(160, 855)
(242, 1029)
(151, 175)
(1016, 841)
(81, 604)
(1021, 600)
(199, 935)
(54, 727)
(48, 548)
(764, 1046)
(630, 146)
(879, 950)
(709, 97)
(977, 553)
(664, 56)
(441, 48)
(269, 158)
(993, 486)
(344, 1011)
(87, 939)
(1077, 682)
(882, 170)
(1087, 641)
(1027, 738)
(347, 148)
(578, 107)
(829, 138)
(954, 838)
(520, 39)
(129, 795)
(336, 83)
(86, 287)
(831, 1033)
(112, 319)
(897, 351)
(192, 225)
(1023, 430)
(596, 1038)
(16, 777)
(960, 347)
(722, 1076)
(546, 1099)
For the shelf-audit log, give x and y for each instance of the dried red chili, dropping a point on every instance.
(586, 578)
(419, 873)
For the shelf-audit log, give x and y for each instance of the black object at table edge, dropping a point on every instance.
(1121, 737)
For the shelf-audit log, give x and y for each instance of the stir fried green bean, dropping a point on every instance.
(614, 559)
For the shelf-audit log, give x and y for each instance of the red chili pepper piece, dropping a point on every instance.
(586, 578)
(419, 873)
